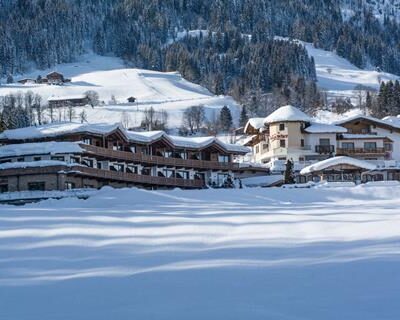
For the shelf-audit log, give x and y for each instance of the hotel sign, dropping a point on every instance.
(278, 136)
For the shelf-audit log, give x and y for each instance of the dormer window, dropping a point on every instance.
(281, 127)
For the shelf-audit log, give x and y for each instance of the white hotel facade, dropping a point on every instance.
(290, 134)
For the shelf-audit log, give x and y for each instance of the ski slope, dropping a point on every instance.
(110, 77)
(338, 74)
(212, 254)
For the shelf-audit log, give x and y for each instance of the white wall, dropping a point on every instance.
(312, 139)
(395, 136)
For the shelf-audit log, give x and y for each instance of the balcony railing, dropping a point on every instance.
(107, 175)
(325, 149)
(361, 151)
(157, 160)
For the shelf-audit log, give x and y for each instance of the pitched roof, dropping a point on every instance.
(256, 123)
(343, 160)
(63, 98)
(38, 148)
(388, 122)
(287, 114)
(324, 128)
(59, 129)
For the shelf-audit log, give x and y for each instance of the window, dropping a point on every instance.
(146, 171)
(117, 167)
(69, 185)
(223, 158)
(365, 130)
(179, 154)
(37, 158)
(74, 160)
(58, 158)
(195, 156)
(87, 141)
(324, 142)
(199, 176)
(281, 127)
(117, 146)
(388, 147)
(370, 145)
(302, 143)
(257, 149)
(36, 186)
(20, 160)
(282, 143)
(167, 154)
(132, 169)
(88, 162)
(265, 146)
(169, 173)
(348, 145)
(3, 188)
(182, 174)
(5, 161)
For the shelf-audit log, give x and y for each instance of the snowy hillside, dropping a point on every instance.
(213, 254)
(110, 77)
(337, 74)
(380, 8)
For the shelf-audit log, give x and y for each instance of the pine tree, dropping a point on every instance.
(243, 117)
(225, 119)
(10, 79)
(289, 174)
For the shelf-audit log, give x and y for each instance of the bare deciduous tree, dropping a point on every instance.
(93, 98)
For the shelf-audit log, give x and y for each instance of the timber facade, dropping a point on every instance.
(54, 157)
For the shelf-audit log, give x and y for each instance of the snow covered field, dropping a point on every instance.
(110, 77)
(214, 254)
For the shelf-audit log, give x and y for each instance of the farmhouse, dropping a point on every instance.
(65, 101)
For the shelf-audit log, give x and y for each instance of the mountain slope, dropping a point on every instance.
(338, 74)
(108, 76)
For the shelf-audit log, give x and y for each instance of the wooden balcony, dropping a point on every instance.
(328, 149)
(141, 179)
(156, 160)
(361, 151)
(107, 175)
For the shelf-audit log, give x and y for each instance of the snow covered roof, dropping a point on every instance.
(256, 123)
(324, 128)
(195, 142)
(57, 129)
(63, 98)
(145, 136)
(393, 120)
(388, 122)
(337, 161)
(34, 164)
(287, 114)
(24, 149)
(183, 142)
